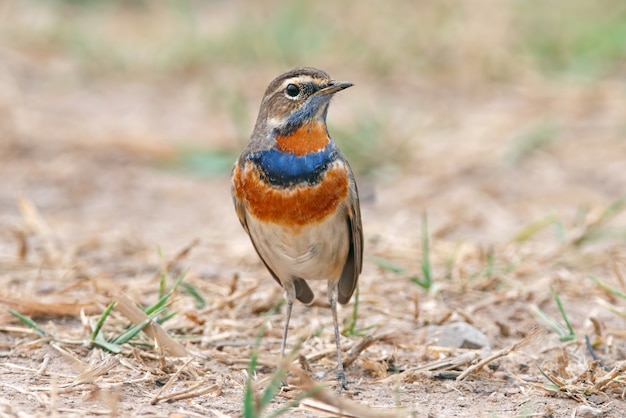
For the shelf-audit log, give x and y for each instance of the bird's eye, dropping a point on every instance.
(292, 90)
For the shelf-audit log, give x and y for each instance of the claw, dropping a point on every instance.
(341, 381)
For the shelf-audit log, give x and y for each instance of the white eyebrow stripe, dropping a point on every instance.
(302, 79)
(299, 80)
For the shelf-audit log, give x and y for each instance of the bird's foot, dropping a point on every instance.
(341, 381)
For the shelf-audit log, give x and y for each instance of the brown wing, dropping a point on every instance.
(303, 292)
(354, 263)
(240, 209)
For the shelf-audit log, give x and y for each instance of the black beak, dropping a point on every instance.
(334, 87)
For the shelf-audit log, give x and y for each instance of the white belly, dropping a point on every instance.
(313, 252)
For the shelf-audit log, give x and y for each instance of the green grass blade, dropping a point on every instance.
(273, 387)
(426, 281)
(571, 334)
(163, 300)
(179, 280)
(130, 333)
(166, 318)
(534, 227)
(278, 378)
(249, 407)
(613, 210)
(388, 265)
(564, 334)
(99, 341)
(550, 323)
(596, 231)
(32, 324)
(351, 328)
(426, 266)
(490, 269)
(553, 386)
(193, 292)
(608, 288)
(101, 320)
(162, 273)
(252, 409)
(559, 230)
(160, 304)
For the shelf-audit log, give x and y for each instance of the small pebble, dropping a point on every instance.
(584, 411)
(458, 335)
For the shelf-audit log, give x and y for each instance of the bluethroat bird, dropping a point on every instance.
(296, 197)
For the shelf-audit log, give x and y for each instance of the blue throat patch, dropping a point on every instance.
(286, 169)
(306, 113)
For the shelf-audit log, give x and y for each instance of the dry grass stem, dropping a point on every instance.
(70, 357)
(499, 354)
(194, 391)
(322, 400)
(44, 365)
(37, 223)
(178, 257)
(33, 308)
(90, 374)
(127, 308)
(171, 380)
(356, 351)
(616, 372)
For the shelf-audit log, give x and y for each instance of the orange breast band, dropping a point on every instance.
(293, 207)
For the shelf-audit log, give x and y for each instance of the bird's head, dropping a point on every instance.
(296, 98)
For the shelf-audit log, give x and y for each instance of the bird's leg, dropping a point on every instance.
(290, 296)
(283, 343)
(332, 297)
(288, 316)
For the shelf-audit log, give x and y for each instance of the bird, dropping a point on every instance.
(296, 196)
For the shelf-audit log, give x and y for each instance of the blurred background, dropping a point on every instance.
(522, 98)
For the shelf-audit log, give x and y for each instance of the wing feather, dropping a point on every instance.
(354, 263)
